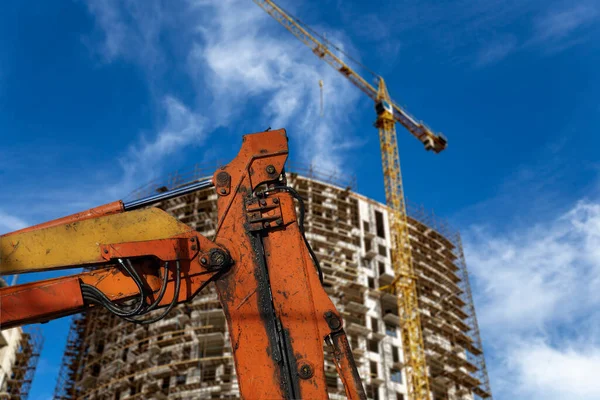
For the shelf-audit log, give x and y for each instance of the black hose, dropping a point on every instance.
(163, 289)
(94, 295)
(171, 305)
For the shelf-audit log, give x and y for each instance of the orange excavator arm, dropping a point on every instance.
(142, 262)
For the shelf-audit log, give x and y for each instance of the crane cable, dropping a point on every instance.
(321, 88)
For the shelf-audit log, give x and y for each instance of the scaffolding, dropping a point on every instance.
(25, 363)
(200, 172)
(188, 354)
(458, 346)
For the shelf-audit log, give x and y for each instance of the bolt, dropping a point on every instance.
(203, 260)
(222, 177)
(270, 169)
(192, 239)
(223, 191)
(262, 202)
(219, 259)
(275, 200)
(333, 321)
(193, 247)
(105, 251)
(266, 225)
(279, 222)
(305, 371)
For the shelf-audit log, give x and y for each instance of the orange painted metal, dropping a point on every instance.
(272, 297)
(305, 309)
(248, 169)
(181, 247)
(58, 297)
(244, 290)
(278, 313)
(39, 302)
(297, 304)
(346, 366)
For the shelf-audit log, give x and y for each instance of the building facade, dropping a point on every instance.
(19, 353)
(188, 354)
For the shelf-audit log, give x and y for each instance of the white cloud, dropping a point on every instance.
(496, 50)
(270, 68)
(131, 29)
(549, 27)
(239, 62)
(559, 24)
(557, 373)
(9, 223)
(537, 296)
(182, 129)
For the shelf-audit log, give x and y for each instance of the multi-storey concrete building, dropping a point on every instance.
(19, 353)
(188, 354)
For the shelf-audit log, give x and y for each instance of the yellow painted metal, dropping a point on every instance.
(74, 244)
(404, 284)
(418, 129)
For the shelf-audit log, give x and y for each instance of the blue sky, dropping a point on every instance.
(99, 97)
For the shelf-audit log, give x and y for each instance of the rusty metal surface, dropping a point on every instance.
(77, 243)
(278, 313)
(273, 300)
(305, 310)
(106, 209)
(263, 213)
(63, 296)
(37, 302)
(244, 291)
(293, 279)
(346, 366)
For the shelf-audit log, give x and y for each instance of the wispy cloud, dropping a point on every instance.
(129, 30)
(559, 24)
(239, 61)
(234, 68)
(484, 32)
(538, 301)
(553, 30)
(182, 129)
(257, 61)
(9, 223)
(496, 50)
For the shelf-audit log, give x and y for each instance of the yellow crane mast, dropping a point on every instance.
(388, 113)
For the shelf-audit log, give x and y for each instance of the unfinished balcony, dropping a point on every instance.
(391, 317)
(355, 325)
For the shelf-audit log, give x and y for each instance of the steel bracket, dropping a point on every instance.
(263, 213)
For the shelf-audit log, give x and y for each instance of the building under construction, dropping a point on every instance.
(188, 353)
(19, 353)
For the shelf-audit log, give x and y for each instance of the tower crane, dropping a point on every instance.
(388, 113)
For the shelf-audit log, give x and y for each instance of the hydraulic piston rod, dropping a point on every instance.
(146, 201)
